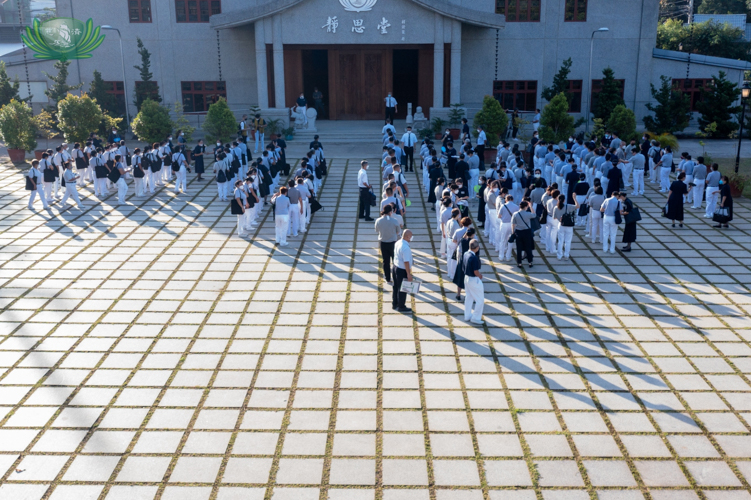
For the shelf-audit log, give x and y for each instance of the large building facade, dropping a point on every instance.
(431, 53)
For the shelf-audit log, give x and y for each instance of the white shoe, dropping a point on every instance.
(284, 244)
(481, 322)
(612, 251)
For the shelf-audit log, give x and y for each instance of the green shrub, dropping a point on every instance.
(152, 123)
(78, 117)
(220, 122)
(17, 127)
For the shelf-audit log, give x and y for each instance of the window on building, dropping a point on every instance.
(576, 10)
(519, 10)
(196, 11)
(139, 11)
(117, 89)
(198, 96)
(597, 88)
(516, 94)
(575, 91)
(693, 88)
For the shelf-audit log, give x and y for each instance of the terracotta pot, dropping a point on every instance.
(439, 136)
(455, 133)
(38, 153)
(17, 155)
(735, 190)
(490, 155)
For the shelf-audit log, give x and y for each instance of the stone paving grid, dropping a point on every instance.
(159, 356)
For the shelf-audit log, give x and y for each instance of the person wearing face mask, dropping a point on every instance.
(665, 165)
(391, 107)
(505, 211)
(474, 162)
(462, 197)
(474, 298)
(491, 198)
(452, 226)
(198, 153)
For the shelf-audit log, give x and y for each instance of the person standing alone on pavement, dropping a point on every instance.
(475, 292)
(365, 187)
(408, 141)
(391, 108)
(402, 270)
(388, 229)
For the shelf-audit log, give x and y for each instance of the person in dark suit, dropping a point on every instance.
(198, 153)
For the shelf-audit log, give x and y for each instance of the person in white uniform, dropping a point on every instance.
(181, 164)
(34, 184)
(474, 298)
(71, 189)
(281, 216)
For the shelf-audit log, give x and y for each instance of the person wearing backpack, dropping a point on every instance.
(611, 210)
(220, 173)
(70, 186)
(136, 162)
(117, 176)
(505, 212)
(565, 216)
(181, 167)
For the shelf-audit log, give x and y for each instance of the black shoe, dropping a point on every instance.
(531, 265)
(361, 217)
(394, 308)
(404, 310)
(369, 219)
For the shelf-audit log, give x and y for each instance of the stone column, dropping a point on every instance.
(456, 62)
(278, 49)
(438, 55)
(261, 78)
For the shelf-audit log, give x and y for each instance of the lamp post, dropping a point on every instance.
(588, 83)
(745, 92)
(125, 83)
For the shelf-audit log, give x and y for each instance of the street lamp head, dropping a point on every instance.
(603, 29)
(106, 27)
(745, 90)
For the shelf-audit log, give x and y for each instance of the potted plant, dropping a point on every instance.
(274, 126)
(425, 133)
(494, 120)
(438, 125)
(17, 129)
(288, 133)
(456, 113)
(46, 126)
(738, 183)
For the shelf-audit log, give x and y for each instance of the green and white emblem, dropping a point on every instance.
(62, 38)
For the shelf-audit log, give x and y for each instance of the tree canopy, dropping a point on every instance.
(709, 38)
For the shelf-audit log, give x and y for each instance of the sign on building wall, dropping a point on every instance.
(359, 25)
(62, 38)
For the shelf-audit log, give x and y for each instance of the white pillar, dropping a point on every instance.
(278, 48)
(456, 62)
(438, 54)
(261, 76)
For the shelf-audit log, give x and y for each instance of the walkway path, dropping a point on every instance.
(147, 352)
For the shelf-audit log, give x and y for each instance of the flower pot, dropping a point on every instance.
(290, 137)
(490, 155)
(17, 155)
(455, 133)
(735, 190)
(439, 136)
(38, 153)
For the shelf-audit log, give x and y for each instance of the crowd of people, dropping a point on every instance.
(554, 190)
(247, 184)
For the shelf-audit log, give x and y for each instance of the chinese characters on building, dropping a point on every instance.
(358, 26)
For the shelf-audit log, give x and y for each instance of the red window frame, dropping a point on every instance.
(597, 88)
(197, 96)
(519, 11)
(516, 94)
(575, 89)
(576, 11)
(196, 11)
(139, 11)
(117, 89)
(692, 87)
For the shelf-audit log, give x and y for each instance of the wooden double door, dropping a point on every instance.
(358, 83)
(359, 78)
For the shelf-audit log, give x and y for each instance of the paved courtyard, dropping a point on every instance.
(148, 352)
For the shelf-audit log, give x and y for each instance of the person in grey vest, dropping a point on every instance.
(388, 230)
(700, 177)
(713, 190)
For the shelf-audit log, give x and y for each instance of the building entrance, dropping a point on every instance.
(355, 79)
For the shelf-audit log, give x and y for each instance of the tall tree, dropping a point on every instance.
(722, 7)
(98, 90)
(147, 89)
(560, 83)
(610, 95)
(718, 105)
(8, 90)
(672, 112)
(60, 87)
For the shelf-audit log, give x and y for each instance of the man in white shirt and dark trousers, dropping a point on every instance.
(480, 148)
(388, 230)
(409, 140)
(391, 108)
(365, 187)
(402, 270)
